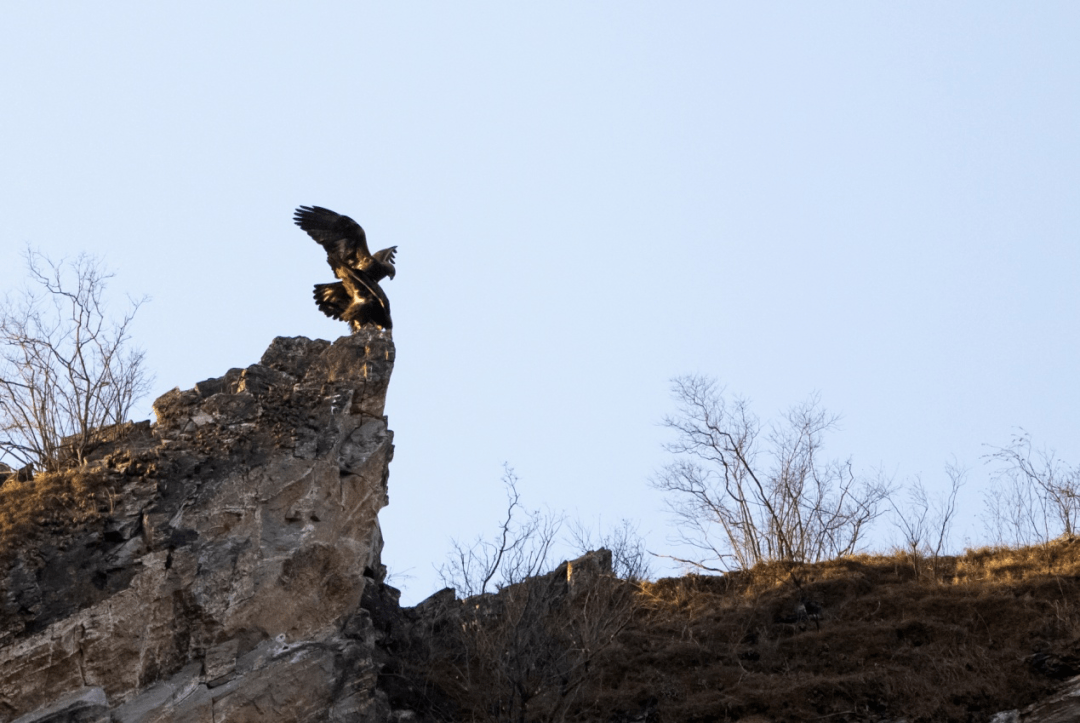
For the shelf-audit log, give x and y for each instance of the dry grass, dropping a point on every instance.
(63, 501)
(957, 646)
(861, 638)
(51, 502)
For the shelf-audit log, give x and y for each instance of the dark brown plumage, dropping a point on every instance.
(357, 298)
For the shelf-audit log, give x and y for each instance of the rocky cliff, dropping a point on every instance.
(222, 574)
(223, 564)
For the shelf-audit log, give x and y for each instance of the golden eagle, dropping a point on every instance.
(357, 298)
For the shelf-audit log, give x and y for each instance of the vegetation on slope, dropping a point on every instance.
(859, 638)
(992, 633)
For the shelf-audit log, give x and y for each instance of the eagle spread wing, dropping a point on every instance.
(345, 242)
(339, 235)
(357, 298)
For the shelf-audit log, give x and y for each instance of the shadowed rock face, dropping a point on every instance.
(242, 535)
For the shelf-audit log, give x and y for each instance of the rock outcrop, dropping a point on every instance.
(1061, 707)
(223, 579)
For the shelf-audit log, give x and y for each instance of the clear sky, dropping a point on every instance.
(879, 202)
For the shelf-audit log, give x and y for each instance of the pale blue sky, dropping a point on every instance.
(878, 202)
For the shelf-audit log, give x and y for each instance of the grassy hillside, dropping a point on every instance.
(958, 640)
(864, 638)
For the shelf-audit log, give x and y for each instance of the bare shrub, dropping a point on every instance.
(1035, 496)
(925, 521)
(66, 367)
(527, 651)
(743, 495)
(519, 550)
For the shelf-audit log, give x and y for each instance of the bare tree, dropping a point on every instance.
(925, 521)
(519, 550)
(743, 497)
(1035, 496)
(66, 367)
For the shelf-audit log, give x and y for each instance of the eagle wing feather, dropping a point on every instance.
(338, 234)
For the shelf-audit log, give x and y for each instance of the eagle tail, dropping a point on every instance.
(332, 299)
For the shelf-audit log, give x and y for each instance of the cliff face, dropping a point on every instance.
(223, 578)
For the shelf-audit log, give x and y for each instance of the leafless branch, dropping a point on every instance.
(66, 367)
(743, 498)
(629, 559)
(520, 549)
(1035, 496)
(925, 521)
